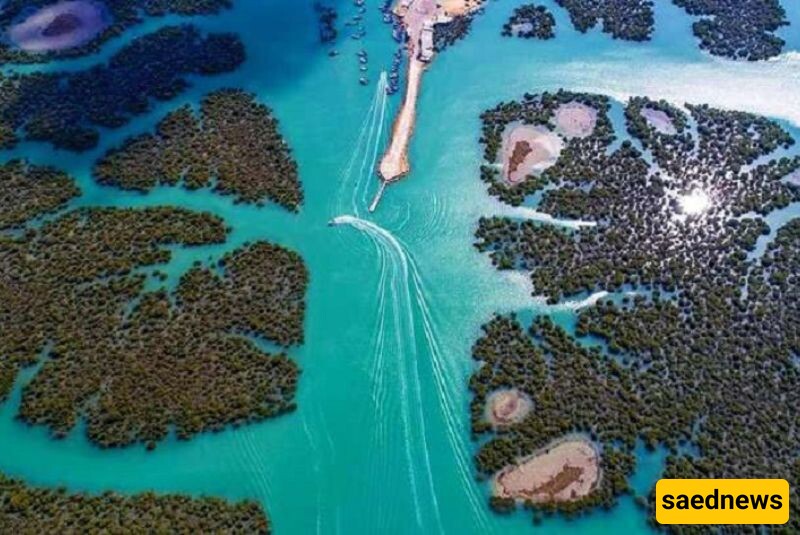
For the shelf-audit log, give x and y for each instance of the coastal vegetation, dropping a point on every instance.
(29, 191)
(699, 352)
(66, 108)
(113, 346)
(738, 30)
(32, 510)
(120, 15)
(136, 363)
(536, 110)
(631, 20)
(233, 143)
(448, 33)
(530, 21)
(644, 237)
(735, 30)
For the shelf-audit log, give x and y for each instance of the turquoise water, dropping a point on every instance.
(380, 440)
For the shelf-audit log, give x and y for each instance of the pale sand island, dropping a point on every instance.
(575, 119)
(418, 18)
(507, 407)
(530, 150)
(659, 120)
(566, 470)
(60, 26)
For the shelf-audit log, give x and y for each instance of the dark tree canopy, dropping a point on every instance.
(234, 140)
(132, 362)
(122, 15)
(704, 358)
(31, 511)
(66, 108)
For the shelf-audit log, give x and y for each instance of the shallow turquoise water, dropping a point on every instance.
(380, 440)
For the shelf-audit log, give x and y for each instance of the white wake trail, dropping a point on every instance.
(402, 323)
(407, 278)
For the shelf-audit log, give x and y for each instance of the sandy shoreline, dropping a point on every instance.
(528, 150)
(575, 119)
(507, 407)
(394, 164)
(459, 7)
(659, 120)
(60, 26)
(565, 470)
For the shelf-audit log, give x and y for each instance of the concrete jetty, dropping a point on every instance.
(418, 18)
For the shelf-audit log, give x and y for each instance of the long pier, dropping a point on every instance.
(378, 196)
(418, 17)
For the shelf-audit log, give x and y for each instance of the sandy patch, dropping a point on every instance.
(562, 472)
(507, 407)
(459, 7)
(659, 120)
(521, 27)
(575, 119)
(528, 150)
(60, 26)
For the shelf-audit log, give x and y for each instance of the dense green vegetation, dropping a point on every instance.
(623, 19)
(744, 29)
(737, 30)
(643, 238)
(448, 33)
(123, 15)
(530, 21)
(31, 511)
(66, 108)
(235, 140)
(704, 358)
(28, 191)
(136, 363)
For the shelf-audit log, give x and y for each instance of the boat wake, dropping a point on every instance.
(359, 172)
(402, 307)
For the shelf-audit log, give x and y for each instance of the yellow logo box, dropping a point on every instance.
(722, 501)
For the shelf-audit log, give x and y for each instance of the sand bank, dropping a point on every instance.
(575, 119)
(528, 150)
(60, 26)
(454, 8)
(659, 120)
(507, 407)
(564, 471)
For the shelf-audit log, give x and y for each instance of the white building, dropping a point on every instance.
(426, 42)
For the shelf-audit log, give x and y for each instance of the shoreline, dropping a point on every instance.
(533, 478)
(394, 163)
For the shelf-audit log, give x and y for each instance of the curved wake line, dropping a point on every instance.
(393, 250)
(367, 142)
(406, 278)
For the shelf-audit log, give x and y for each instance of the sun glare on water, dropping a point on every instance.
(694, 203)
